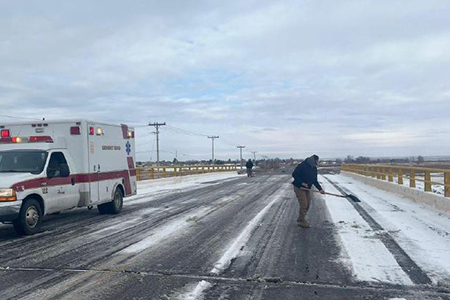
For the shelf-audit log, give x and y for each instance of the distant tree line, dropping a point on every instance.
(367, 160)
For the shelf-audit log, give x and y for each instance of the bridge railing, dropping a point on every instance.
(428, 179)
(172, 171)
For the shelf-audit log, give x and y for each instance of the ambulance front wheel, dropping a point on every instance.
(113, 207)
(30, 218)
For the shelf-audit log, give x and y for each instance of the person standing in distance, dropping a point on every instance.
(305, 175)
(249, 166)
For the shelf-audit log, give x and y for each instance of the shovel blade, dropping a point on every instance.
(353, 198)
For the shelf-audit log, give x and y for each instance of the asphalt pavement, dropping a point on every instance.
(230, 239)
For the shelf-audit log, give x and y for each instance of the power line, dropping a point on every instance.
(184, 131)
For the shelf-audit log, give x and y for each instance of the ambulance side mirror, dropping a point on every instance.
(64, 170)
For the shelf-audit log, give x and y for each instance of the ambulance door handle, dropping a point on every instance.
(72, 180)
(98, 168)
(95, 168)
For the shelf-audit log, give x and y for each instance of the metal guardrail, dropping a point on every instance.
(388, 172)
(173, 171)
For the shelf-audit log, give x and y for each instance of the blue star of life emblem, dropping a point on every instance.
(128, 148)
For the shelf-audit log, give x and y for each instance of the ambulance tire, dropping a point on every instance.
(113, 207)
(30, 218)
(103, 208)
(117, 203)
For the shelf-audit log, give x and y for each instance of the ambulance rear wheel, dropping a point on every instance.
(103, 208)
(117, 203)
(113, 207)
(30, 218)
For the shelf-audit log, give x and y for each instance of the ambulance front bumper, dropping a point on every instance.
(9, 211)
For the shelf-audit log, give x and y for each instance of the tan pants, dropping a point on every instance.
(304, 199)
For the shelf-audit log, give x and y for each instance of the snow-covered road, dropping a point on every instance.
(224, 236)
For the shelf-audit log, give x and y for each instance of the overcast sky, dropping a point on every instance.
(284, 78)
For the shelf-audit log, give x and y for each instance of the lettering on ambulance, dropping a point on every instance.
(92, 147)
(115, 148)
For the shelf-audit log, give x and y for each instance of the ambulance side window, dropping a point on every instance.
(57, 166)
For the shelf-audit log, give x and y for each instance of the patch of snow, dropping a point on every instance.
(157, 186)
(121, 225)
(235, 248)
(366, 255)
(421, 231)
(420, 185)
(197, 293)
(169, 230)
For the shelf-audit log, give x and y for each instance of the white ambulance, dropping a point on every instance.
(50, 166)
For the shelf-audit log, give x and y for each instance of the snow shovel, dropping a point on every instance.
(351, 197)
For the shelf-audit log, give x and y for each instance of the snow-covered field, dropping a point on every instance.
(420, 185)
(422, 232)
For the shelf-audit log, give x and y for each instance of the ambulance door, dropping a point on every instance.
(60, 187)
(94, 164)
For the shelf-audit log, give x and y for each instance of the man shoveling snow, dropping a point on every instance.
(305, 175)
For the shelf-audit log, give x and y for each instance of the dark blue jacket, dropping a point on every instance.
(304, 172)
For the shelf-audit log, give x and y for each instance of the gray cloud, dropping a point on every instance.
(285, 78)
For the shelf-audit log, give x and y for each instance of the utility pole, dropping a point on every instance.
(212, 139)
(254, 155)
(157, 125)
(240, 150)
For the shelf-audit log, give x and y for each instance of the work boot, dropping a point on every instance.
(304, 224)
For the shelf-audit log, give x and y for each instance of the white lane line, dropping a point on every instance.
(233, 250)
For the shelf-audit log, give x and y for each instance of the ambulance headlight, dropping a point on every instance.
(7, 195)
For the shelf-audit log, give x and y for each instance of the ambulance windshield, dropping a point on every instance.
(22, 161)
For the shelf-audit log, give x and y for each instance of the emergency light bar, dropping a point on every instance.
(75, 130)
(31, 139)
(5, 133)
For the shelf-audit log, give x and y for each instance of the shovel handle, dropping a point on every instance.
(331, 194)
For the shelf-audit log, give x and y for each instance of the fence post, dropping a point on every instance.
(378, 173)
(412, 179)
(427, 181)
(152, 173)
(383, 173)
(400, 176)
(391, 175)
(138, 174)
(447, 184)
(164, 173)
